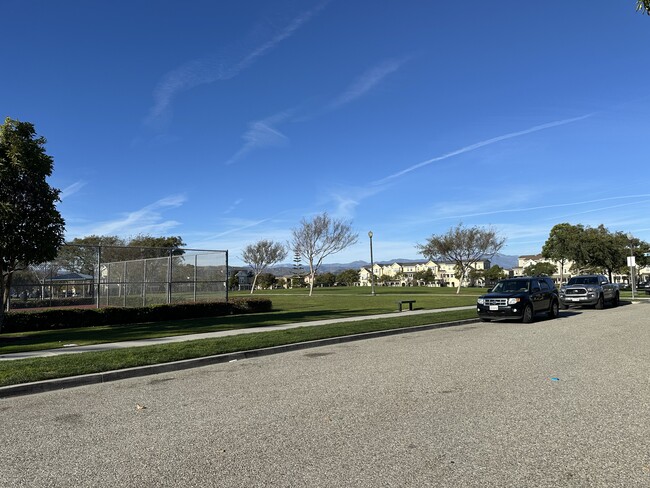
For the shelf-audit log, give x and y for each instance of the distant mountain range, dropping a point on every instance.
(503, 260)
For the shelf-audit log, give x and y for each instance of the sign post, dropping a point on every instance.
(631, 262)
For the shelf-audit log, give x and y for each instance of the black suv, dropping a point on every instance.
(519, 298)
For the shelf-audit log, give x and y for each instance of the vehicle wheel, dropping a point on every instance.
(600, 304)
(527, 318)
(617, 300)
(554, 311)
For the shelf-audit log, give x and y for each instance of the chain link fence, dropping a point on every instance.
(122, 276)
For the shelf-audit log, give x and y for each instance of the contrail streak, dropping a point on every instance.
(487, 142)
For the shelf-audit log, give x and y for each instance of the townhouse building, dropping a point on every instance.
(406, 273)
(642, 273)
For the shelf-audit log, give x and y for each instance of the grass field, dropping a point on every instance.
(289, 306)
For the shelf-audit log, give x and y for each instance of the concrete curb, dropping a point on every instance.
(120, 374)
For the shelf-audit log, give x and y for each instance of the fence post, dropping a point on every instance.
(99, 275)
(227, 276)
(169, 277)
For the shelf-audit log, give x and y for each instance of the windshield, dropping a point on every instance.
(511, 286)
(583, 280)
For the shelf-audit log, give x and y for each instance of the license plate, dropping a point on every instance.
(494, 307)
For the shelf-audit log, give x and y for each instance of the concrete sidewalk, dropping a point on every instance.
(75, 349)
(107, 376)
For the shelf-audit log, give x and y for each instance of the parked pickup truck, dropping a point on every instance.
(593, 290)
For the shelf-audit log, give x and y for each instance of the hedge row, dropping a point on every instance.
(92, 317)
(54, 302)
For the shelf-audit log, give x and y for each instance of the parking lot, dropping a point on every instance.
(561, 402)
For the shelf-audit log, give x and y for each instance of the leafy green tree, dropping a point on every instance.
(261, 255)
(319, 238)
(425, 276)
(325, 279)
(81, 254)
(266, 280)
(464, 246)
(562, 244)
(494, 274)
(348, 276)
(233, 279)
(540, 269)
(31, 227)
(156, 247)
(601, 251)
(643, 6)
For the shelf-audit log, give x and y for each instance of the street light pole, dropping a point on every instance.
(372, 267)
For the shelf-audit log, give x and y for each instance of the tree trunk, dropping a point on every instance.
(254, 283)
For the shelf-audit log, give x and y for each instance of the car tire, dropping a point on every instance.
(554, 311)
(617, 300)
(527, 317)
(600, 304)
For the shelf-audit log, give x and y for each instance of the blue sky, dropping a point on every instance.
(228, 122)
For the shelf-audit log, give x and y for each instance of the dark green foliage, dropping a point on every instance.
(348, 277)
(325, 279)
(90, 317)
(31, 227)
(643, 6)
(266, 280)
(54, 302)
(540, 269)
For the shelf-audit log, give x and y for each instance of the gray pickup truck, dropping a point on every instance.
(593, 290)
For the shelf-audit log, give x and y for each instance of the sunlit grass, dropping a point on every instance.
(38, 369)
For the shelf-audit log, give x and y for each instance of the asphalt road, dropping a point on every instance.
(556, 403)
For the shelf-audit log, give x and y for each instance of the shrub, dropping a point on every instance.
(89, 317)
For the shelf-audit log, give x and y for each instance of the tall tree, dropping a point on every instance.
(319, 238)
(80, 254)
(298, 271)
(31, 227)
(643, 6)
(601, 251)
(463, 246)
(562, 244)
(540, 269)
(348, 276)
(495, 273)
(261, 255)
(325, 279)
(266, 280)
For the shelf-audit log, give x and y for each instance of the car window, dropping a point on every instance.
(511, 286)
(544, 285)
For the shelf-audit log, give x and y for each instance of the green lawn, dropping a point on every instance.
(289, 306)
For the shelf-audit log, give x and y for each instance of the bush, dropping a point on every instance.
(89, 317)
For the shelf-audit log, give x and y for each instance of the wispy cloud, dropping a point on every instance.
(265, 133)
(70, 190)
(234, 205)
(209, 70)
(478, 145)
(147, 220)
(261, 133)
(366, 82)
